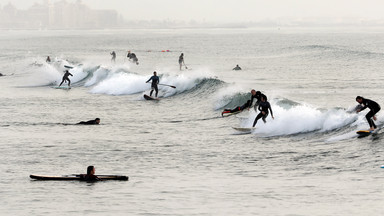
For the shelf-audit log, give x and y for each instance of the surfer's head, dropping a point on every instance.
(154, 73)
(90, 170)
(253, 92)
(97, 121)
(359, 99)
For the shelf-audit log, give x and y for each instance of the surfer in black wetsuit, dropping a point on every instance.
(237, 109)
(264, 108)
(155, 80)
(90, 175)
(90, 122)
(65, 78)
(113, 56)
(237, 68)
(374, 108)
(181, 60)
(257, 95)
(48, 60)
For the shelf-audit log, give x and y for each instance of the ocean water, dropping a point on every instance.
(181, 156)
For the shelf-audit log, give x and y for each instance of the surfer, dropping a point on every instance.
(48, 60)
(65, 78)
(237, 109)
(91, 174)
(257, 95)
(155, 80)
(113, 56)
(90, 122)
(181, 60)
(132, 56)
(374, 108)
(264, 106)
(237, 68)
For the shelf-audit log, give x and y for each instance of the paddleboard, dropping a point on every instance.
(363, 133)
(244, 129)
(147, 97)
(79, 177)
(61, 87)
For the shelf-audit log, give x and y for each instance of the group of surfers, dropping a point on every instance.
(264, 107)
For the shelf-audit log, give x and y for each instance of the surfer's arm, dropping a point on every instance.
(270, 109)
(149, 79)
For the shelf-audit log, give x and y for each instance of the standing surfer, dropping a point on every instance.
(181, 61)
(155, 81)
(65, 78)
(374, 108)
(264, 108)
(113, 54)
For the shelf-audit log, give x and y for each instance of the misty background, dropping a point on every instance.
(94, 14)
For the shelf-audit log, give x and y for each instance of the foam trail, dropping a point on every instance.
(299, 119)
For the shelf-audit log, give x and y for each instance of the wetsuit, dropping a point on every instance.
(89, 177)
(181, 60)
(90, 122)
(155, 81)
(237, 109)
(237, 68)
(264, 107)
(113, 56)
(65, 78)
(374, 108)
(258, 99)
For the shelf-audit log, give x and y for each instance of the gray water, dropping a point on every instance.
(181, 156)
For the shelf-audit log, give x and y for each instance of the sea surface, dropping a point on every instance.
(181, 156)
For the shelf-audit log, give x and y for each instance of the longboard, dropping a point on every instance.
(363, 133)
(61, 87)
(77, 177)
(147, 97)
(244, 129)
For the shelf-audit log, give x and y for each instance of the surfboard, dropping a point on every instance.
(229, 114)
(244, 129)
(61, 87)
(78, 177)
(363, 133)
(67, 66)
(147, 97)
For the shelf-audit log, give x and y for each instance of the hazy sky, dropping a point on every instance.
(232, 10)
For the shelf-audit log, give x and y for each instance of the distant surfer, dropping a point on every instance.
(132, 56)
(237, 109)
(264, 108)
(181, 61)
(48, 60)
(155, 81)
(113, 54)
(237, 68)
(255, 95)
(65, 78)
(90, 174)
(90, 122)
(374, 108)
(1, 74)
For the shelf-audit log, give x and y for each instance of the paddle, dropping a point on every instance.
(167, 85)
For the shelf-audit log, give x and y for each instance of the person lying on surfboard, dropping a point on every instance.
(257, 95)
(374, 108)
(264, 106)
(237, 109)
(90, 174)
(90, 122)
(155, 80)
(65, 78)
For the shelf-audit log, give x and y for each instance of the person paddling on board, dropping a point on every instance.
(155, 81)
(237, 68)
(90, 122)
(264, 106)
(113, 56)
(237, 109)
(257, 95)
(181, 60)
(65, 78)
(374, 108)
(91, 174)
